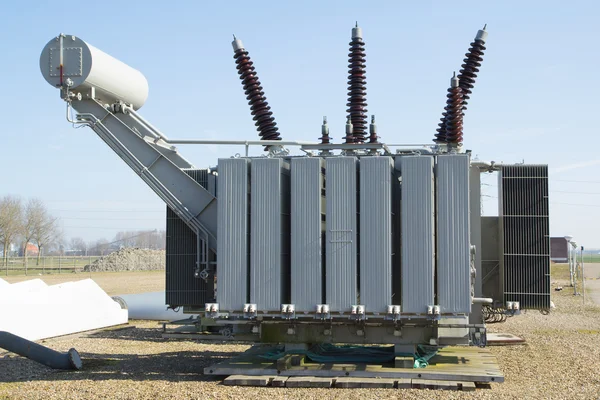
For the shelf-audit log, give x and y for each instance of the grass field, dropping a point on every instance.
(113, 283)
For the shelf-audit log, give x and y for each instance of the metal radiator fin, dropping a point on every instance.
(269, 238)
(417, 234)
(232, 244)
(376, 233)
(452, 233)
(525, 235)
(182, 289)
(306, 233)
(341, 249)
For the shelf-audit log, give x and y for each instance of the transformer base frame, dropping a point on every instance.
(454, 363)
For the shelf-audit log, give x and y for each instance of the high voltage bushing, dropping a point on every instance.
(471, 65)
(453, 115)
(373, 131)
(357, 88)
(260, 110)
(324, 132)
(468, 73)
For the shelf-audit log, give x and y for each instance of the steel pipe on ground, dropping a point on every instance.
(43, 355)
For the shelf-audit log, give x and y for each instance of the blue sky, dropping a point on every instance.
(536, 98)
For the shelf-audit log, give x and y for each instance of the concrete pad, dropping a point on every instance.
(404, 383)
(371, 383)
(434, 384)
(247, 380)
(279, 381)
(308, 382)
(503, 339)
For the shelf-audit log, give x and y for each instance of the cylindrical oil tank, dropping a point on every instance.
(68, 60)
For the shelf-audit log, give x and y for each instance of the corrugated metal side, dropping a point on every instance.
(452, 233)
(417, 233)
(232, 243)
(306, 233)
(475, 222)
(376, 233)
(396, 234)
(182, 289)
(341, 236)
(525, 235)
(269, 255)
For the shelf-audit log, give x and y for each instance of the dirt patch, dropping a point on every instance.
(129, 259)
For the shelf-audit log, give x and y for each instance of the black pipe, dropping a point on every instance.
(39, 353)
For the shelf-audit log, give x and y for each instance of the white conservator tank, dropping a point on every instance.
(67, 61)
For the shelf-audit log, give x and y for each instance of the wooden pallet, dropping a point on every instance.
(460, 364)
(349, 383)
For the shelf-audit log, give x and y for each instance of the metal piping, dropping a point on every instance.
(486, 166)
(482, 300)
(140, 120)
(241, 142)
(38, 353)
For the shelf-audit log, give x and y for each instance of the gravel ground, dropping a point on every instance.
(561, 360)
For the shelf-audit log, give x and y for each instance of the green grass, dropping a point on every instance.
(560, 271)
(591, 258)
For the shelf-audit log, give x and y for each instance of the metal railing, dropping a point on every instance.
(46, 265)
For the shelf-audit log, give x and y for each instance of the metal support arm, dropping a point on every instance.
(160, 168)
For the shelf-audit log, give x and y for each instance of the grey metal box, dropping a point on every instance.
(270, 236)
(376, 233)
(417, 229)
(232, 239)
(307, 228)
(340, 282)
(452, 233)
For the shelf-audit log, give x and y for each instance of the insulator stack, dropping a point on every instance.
(357, 87)
(471, 65)
(324, 132)
(373, 131)
(454, 114)
(260, 110)
(467, 75)
(440, 136)
(349, 130)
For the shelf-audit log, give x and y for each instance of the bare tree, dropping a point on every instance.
(102, 246)
(79, 245)
(45, 231)
(35, 211)
(10, 223)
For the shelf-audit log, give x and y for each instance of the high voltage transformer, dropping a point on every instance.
(352, 242)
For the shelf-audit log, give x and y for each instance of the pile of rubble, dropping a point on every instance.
(129, 259)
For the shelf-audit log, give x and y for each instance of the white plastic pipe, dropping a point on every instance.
(149, 306)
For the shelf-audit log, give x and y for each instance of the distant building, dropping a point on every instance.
(32, 250)
(559, 249)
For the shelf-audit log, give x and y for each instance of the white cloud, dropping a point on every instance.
(578, 165)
